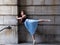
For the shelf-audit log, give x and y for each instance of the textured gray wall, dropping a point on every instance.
(8, 13)
(46, 9)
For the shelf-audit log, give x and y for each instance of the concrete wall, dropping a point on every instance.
(8, 13)
(46, 9)
(35, 9)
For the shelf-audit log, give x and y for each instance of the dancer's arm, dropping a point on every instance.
(24, 16)
(19, 17)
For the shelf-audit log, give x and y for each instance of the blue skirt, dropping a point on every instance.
(31, 25)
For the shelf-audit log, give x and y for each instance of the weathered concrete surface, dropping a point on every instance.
(8, 1)
(39, 2)
(8, 10)
(7, 36)
(8, 13)
(10, 20)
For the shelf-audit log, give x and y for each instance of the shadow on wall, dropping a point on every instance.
(22, 34)
(45, 36)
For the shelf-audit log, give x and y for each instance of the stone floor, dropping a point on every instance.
(29, 44)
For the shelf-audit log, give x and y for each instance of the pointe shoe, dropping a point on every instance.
(33, 42)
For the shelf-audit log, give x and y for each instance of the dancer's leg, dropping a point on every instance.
(44, 20)
(33, 38)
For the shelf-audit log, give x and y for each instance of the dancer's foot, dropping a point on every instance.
(33, 42)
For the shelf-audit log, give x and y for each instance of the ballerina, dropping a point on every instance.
(31, 24)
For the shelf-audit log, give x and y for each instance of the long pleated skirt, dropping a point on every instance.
(31, 25)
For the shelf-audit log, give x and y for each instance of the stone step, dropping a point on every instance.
(31, 44)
